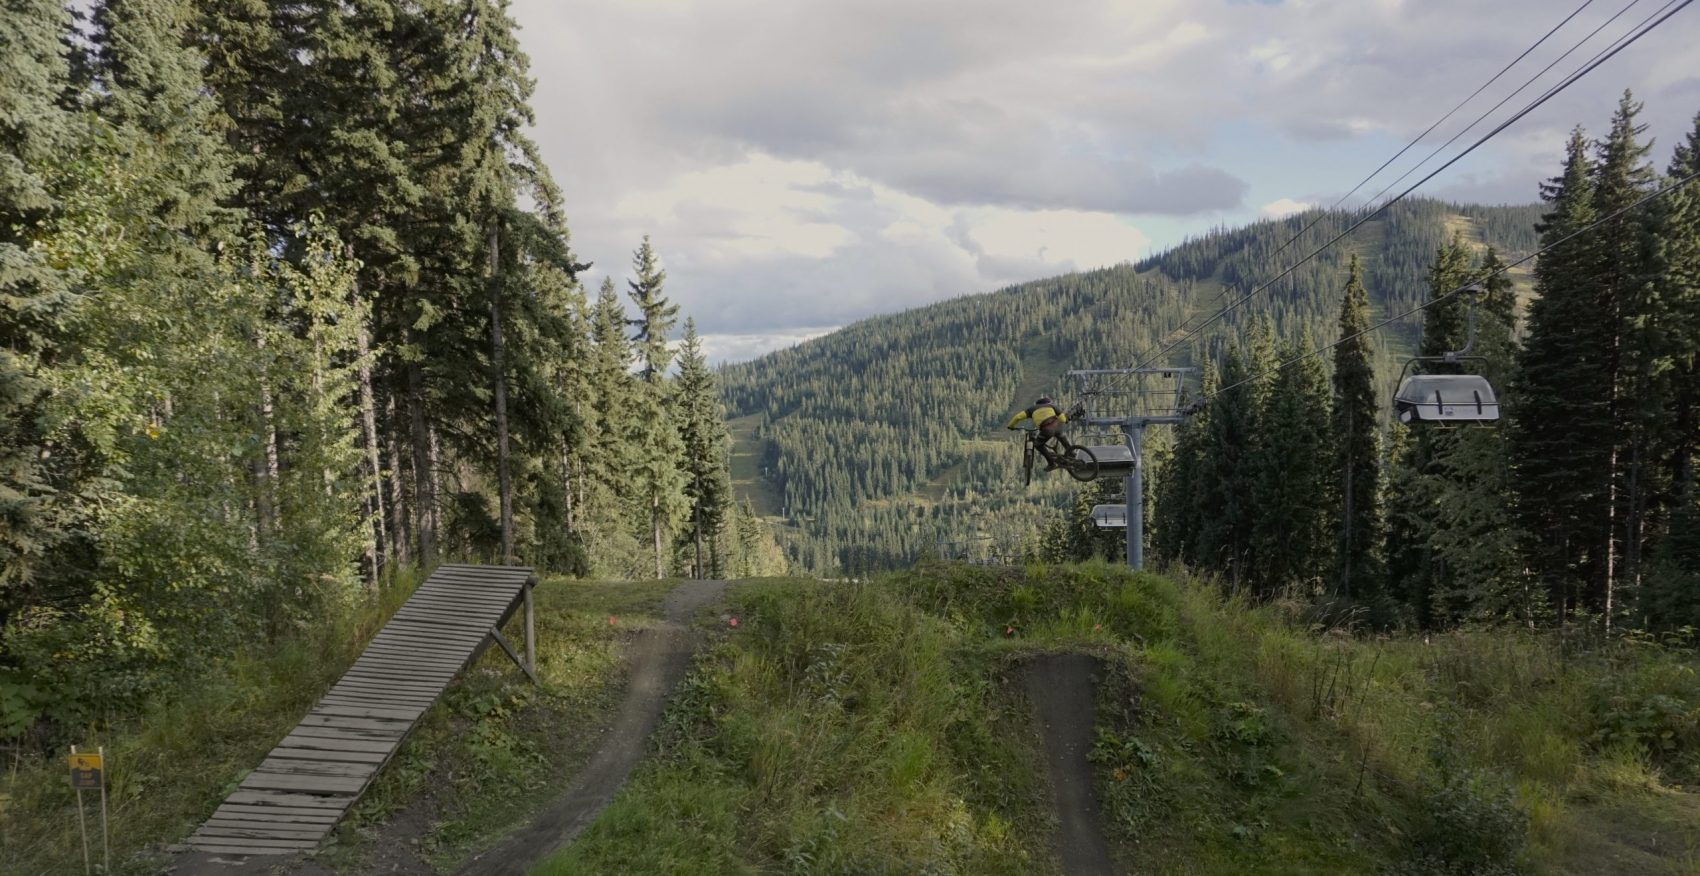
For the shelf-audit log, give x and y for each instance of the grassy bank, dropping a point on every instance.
(495, 749)
(838, 729)
(168, 768)
(874, 727)
(486, 756)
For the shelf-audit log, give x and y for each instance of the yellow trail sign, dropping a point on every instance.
(86, 772)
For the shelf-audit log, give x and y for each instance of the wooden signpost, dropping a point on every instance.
(88, 773)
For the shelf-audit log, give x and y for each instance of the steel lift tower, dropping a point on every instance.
(1120, 403)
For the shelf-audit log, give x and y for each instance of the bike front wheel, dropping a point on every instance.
(1082, 464)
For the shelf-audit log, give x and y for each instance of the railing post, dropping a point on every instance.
(1135, 489)
(530, 629)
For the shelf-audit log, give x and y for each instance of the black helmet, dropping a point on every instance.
(1044, 400)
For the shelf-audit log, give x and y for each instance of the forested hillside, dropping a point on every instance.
(878, 440)
(1577, 507)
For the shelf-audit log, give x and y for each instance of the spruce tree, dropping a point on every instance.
(155, 91)
(1671, 592)
(1226, 511)
(1290, 532)
(1561, 425)
(1635, 353)
(1356, 428)
(655, 314)
(33, 130)
(702, 430)
(1450, 525)
(1176, 521)
(1412, 567)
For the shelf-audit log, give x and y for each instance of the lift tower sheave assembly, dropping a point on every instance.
(1120, 403)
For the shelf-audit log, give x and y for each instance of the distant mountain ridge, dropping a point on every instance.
(874, 442)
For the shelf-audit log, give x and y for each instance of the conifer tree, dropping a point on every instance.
(1412, 567)
(658, 480)
(1290, 532)
(1634, 354)
(1357, 440)
(608, 456)
(702, 430)
(1670, 595)
(655, 314)
(1229, 460)
(1564, 434)
(33, 130)
(154, 87)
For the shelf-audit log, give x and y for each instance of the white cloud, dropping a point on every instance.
(726, 348)
(807, 164)
(1283, 207)
(800, 243)
(1072, 238)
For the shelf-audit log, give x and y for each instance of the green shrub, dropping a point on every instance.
(1473, 827)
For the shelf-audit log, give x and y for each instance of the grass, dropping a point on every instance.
(747, 476)
(873, 728)
(878, 727)
(491, 751)
(837, 730)
(168, 768)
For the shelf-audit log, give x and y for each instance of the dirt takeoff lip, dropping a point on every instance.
(1060, 688)
(660, 658)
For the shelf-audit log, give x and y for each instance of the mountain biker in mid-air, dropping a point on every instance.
(1048, 422)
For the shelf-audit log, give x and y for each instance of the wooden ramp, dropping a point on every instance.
(307, 783)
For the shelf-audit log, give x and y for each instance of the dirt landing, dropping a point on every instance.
(1060, 688)
(660, 658)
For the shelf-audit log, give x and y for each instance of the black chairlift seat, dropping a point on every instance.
(1114, 460)
(1110, 516)
(1446, 398)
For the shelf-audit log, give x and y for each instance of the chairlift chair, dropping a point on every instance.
(1110, 516)
(1107, 445)
(1447, 398)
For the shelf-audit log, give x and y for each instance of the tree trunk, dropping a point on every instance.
(374, 465)
(401, 537)
(1611, 537)
(570, 507)
(498, 351)
(655, 530)
(434, 468)
(266, 468)
(698, 514)
(1347, 521)
(424, 473)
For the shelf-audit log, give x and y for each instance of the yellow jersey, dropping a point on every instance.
(1038, 414)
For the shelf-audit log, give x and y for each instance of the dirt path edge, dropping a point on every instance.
(660, 658)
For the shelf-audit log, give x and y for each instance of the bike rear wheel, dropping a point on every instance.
(1082, 463)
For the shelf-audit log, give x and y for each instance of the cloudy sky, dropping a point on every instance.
(800, 164)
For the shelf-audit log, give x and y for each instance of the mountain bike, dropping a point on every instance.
(1078, 461)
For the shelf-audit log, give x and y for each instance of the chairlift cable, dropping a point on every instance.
(1599, 59)
(1650, 197)
(1449, 113)
(1322, 214)
(1561, 83)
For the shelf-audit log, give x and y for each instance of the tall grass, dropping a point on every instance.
(168, 766)
(1255, 739)
(840, 729)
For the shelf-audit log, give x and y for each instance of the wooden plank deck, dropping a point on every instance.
(296, 796)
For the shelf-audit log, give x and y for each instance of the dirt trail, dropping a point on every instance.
(660, 658)
(1060, 688)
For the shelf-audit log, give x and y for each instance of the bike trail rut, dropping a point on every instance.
(660, 658)
(1060, 688)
